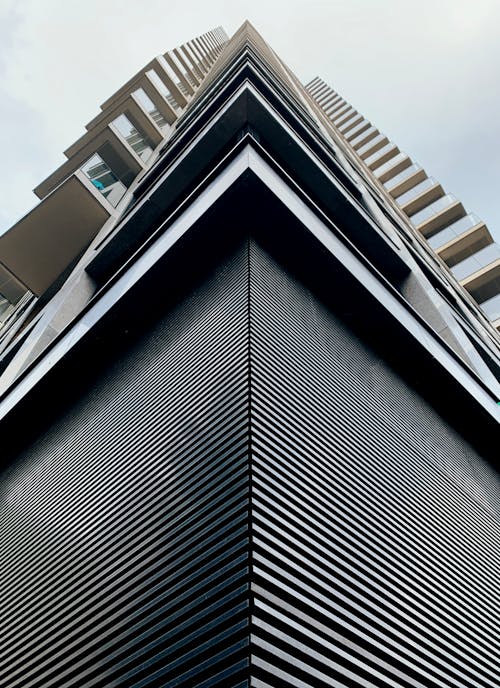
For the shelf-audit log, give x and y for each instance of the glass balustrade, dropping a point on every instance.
(150, 108)
(363, 136)
(378, 154)
(349, 122)
(347, 114)
(354, 131)
(476, 262)
(133, 137)
(100, 175)
(491, 307)
(163, 89)
(433, 209)
(382, 169)
(401, 176)
(455, 230)
(416, 191)
(370, 144)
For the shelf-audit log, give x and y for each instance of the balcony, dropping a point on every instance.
(393, 166)
(488, 257)
(438, 215)
(491, 308)
(420, 196)
(27, 249)
(387, 152)
(346, 117)
(368, 149)
(460, 239)
(351, 124)
(412, 175)
(359, 129)
(363, 138)
(336, 113)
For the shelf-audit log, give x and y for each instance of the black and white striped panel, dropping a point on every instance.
(375, 546)
(125, 527)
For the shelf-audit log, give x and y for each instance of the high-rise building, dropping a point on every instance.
(249, 417)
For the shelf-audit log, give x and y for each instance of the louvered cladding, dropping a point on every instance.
(375, 546)
(125, 528)
(252, 497)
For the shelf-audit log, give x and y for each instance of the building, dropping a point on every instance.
(461, 239)
(249, 418)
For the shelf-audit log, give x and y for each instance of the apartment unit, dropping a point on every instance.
(461, 239)
(249, 419)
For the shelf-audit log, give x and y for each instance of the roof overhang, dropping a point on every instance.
(247, 195)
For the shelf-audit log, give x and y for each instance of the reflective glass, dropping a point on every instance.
(150, 108)
(433, 209)
(476, 262)
(163, 89)
(354, 131)
(363, 136)
(405, 174)
(491, 307)
(103, 179)
(416, 190)
(390, 163)
(371, 143)
(378, 154)
(133, 137)
(454, 230)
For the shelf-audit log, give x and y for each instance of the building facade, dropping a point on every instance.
(249, 418)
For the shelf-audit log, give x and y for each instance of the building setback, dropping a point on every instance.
(249, 418)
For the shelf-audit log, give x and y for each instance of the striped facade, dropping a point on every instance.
(262, 450)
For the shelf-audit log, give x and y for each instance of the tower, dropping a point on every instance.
(250, 420)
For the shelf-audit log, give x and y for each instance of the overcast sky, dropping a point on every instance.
(426, 73)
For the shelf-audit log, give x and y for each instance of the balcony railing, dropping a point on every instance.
(433, 209)
(371, 159)
(476, 262)
(365, 134)
(96, 170)
(150, 108)
(416, 191)
(364, 149)
(491, 307)
(455, 230)
(392, 162)
(405, 174)
(359, 128)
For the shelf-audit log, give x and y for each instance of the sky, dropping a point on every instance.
(426, 73)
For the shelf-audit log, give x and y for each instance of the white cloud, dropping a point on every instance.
(426, 73)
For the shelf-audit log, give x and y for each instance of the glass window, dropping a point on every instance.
(163, 89)
(151, 108)
(133, 137)
(103, 179)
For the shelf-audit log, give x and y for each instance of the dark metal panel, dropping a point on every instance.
(374, 524)
(125, 526)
